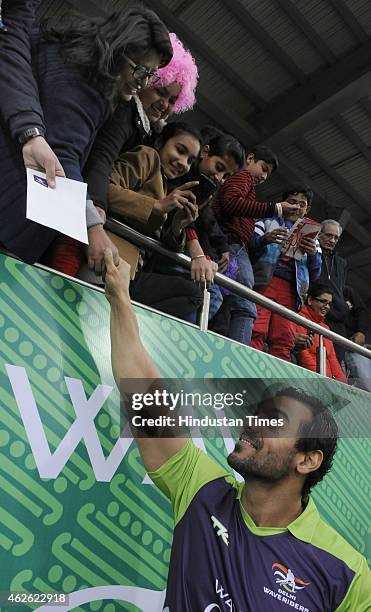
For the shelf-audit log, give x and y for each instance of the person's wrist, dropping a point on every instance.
(96, 228)
(197, 257)
(121, 297)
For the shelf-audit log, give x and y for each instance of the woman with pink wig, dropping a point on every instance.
(174, 86)
(172, 90)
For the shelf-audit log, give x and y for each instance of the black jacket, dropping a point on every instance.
(20, 106)
(357, 319)
(121, 132)
(335, 267)
(72, 112)
(212, 239)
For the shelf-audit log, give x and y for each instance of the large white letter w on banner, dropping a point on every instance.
(50, 465)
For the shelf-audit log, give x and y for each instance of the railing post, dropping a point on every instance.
(322, 356)
(204, 319)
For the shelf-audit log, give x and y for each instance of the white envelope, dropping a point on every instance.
(62, 208)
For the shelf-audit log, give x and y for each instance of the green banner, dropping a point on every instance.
(78, 515)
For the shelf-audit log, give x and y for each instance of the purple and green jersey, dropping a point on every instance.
(221, 561)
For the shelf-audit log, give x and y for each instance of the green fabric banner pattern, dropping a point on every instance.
(77, 513)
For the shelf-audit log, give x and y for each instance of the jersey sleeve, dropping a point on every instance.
(358, 597)
(184, 474)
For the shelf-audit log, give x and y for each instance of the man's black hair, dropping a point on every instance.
(264, 153)
(321, 433)
(316, 289)
(296, 189)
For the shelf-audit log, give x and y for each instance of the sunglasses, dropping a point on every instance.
(141, 73)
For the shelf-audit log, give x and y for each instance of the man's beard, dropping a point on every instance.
(268, 469)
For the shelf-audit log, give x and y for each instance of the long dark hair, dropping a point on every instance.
(98, 46)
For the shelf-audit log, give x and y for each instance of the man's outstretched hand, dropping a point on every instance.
(116, 278)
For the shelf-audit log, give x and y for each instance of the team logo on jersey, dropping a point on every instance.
(221, 530)
(285, 578)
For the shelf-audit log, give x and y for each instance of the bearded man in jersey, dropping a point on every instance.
(253, 546)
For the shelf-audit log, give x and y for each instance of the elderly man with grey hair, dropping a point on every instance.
(333, 275)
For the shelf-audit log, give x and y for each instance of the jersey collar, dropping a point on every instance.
(303, 528)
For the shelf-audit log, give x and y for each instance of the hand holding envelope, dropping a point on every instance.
(62, 208)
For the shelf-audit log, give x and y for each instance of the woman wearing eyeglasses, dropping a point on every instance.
(170, 90)
(81, 74)
(318, 303)
(142, 109)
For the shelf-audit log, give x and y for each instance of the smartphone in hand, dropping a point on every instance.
(205, 188)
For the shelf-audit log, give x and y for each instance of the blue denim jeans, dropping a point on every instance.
(359, 368)
(242, 311)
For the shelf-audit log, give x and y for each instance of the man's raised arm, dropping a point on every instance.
(130, 359)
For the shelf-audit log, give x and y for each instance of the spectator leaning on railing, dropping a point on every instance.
(82, 71)
(138, 196)
(221, 155)
(236, 210)
(170, 90)
(318, 303)
(283, 279)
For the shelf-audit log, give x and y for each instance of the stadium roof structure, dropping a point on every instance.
(292, 74)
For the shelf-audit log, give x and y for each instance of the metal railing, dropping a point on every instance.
(145, 241)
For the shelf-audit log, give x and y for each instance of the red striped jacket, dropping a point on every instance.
(236, 208)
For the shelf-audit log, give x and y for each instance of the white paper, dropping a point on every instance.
(62, 208)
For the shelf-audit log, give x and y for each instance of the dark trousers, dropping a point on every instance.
(172, 295)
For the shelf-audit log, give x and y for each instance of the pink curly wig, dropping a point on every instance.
(182, 69)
